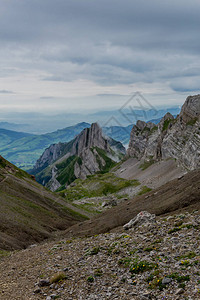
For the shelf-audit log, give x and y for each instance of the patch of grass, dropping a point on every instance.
(2, 163)
(155, 128)
(179, 278)
(4, 253)
(90, 279)
(166, 124)
(109, 163)
(60, 276)
(148, 249)
(125, 261)
(185, 263)
(93, 251)
(175, 229)
(96, 186)
(144, 190)
(189, 255)
(192, 122)
(157, 283)
(66, 170)
(142, 266)
(147, 129)
(146, 164)
(75, 214)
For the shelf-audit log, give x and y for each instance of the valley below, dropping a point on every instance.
(92, 220)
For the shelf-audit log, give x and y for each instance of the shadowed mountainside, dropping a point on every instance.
(29, 213)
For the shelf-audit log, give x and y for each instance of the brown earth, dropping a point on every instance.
(181, 194)
(154, 176)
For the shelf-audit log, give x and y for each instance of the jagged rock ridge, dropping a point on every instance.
(88, 153)
(172, 138)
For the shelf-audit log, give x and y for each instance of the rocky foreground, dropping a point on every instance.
(157, 259)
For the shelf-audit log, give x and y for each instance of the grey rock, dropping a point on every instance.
(142, 218)
(44, 282)
(53, 296)
(166, 280)
(85, 147)
(179, 291)
(178, 139)
(37, 291)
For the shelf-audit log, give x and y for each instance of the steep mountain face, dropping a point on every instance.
(87, 154)
(172, 138)
(29, 213)
(24, 149)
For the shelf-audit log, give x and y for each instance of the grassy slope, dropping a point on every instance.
(65, 167)
(9, 136)
(96, 186)
(29, 213)
(178, 195)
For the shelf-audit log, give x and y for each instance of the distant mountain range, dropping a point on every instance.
(23, 149)
(15, 127)
(37, 123)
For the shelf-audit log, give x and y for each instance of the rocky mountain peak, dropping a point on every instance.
(88, 138)
(190, 109)
(166, 119)
(172, 138)
(88, 153)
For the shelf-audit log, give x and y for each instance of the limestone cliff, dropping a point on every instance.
(172, 138)
(88, 153)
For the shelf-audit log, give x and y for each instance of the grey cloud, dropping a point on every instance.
(47, 97)
(107, 41)
(186, 84)
(6, 92)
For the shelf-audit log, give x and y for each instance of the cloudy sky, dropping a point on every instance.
(72, 55)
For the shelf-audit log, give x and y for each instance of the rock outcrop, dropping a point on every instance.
(172, 138)
(88, 153)
(143, 218)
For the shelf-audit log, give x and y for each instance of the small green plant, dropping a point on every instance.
(148, 249)
(146, 164)
(58, 277)
(93, 251)
(179, 223)
(144, 190)
(4, 253)
(155, 128)
(125, 261)
(175, 229)
(157, 283)
(192, 122)
(185, 262)
(149, 278)
(179, 278)
(90, 279)
(98, 273)
(189, 255)
(142, 266)
(181, 285)
(166, 124)
(158, 241)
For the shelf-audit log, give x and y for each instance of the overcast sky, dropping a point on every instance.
(62, 55)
